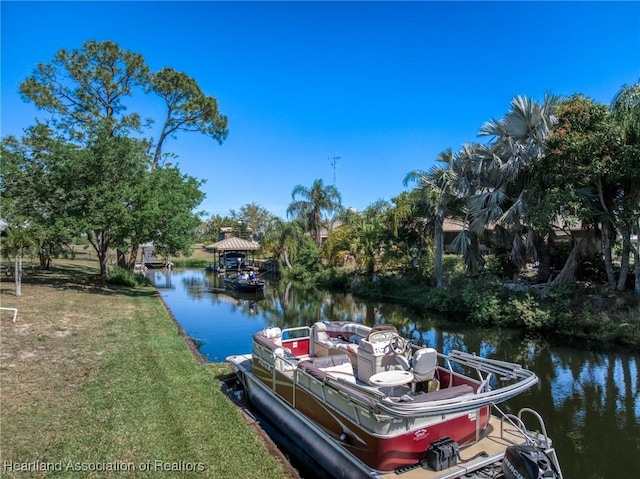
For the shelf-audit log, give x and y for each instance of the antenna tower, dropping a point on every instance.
(334, 163)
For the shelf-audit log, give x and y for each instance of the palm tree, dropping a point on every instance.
(282, 240)
(444, 190)
(435, 199)
(366, 245)
(316, 205)
(517, 141)
(625, 109)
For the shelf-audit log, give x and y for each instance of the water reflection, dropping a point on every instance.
(590, 400)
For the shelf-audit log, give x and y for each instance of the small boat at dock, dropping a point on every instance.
(244, 285)
(365, 402)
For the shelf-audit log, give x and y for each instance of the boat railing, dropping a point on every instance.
(365, 396)
(537, 439)
(484, 395)
(499, 368)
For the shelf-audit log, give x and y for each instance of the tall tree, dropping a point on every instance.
(283, 240)
(315, 205)
(441, 192)
(172, 200)
(408, 239)
(102, 184)
(188, 109)
(517, 142)
(367, 244)
(31, 193)
(255, 219)
(209, 229)
(585, 159)
(85, 89)
(625, 108)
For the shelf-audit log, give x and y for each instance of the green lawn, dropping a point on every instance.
(95, 376)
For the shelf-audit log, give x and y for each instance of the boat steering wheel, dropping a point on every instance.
(398, 345)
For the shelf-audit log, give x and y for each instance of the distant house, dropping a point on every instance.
(453, 226)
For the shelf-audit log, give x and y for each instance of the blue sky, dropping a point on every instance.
(385, 86)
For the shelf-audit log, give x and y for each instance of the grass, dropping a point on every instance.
(94, 375)
(199, 258)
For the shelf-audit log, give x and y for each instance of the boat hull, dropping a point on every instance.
(334, 460)
(252, 286)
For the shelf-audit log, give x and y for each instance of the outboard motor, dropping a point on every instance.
(527, 462)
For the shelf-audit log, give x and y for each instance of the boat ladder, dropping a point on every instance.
(537, 439)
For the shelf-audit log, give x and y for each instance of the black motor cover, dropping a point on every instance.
(527, 462)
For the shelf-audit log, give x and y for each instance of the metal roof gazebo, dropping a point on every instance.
(232, 245)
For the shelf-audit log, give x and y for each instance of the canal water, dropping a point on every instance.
(589, 399)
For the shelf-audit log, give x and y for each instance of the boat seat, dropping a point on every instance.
(271, 338)
(274, 334)
(284, 360)
(335, 365)
(442, 394)
(336, 338)
(424, 363)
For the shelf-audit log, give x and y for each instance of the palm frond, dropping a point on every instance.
(501, 236)
(518, 251)
(460, 243)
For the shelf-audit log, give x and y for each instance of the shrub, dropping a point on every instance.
(501, 265)
(125, 277)
(335, 279)
(527, 311)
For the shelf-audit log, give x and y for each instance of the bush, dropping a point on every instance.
(501, 265)
(334, 279)
(301, 275)
(125, 277)
(526, 311)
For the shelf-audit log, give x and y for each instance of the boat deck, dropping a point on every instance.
(493, 444)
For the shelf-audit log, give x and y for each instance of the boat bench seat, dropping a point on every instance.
(271, 339)
(442, 394)
(337, 338)
(335, 365)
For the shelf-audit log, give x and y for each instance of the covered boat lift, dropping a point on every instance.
(233, 244)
